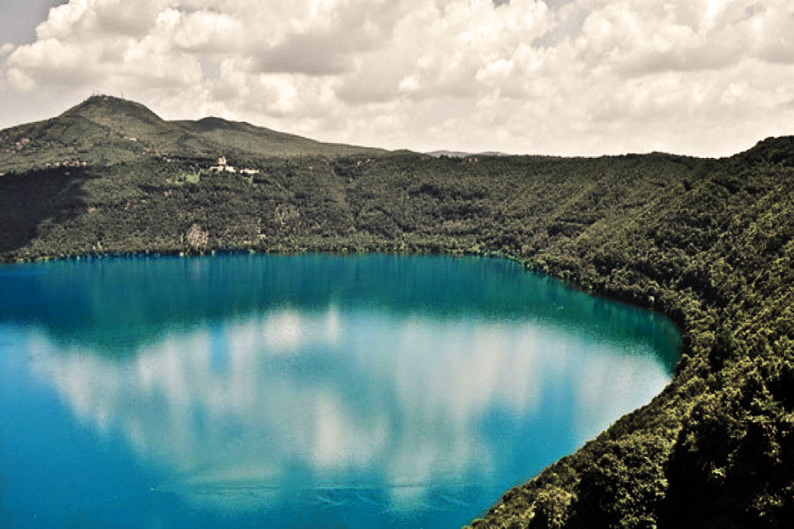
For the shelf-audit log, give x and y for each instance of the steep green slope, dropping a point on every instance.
(708, 242)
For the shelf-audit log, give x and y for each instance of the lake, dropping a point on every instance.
(250, 391)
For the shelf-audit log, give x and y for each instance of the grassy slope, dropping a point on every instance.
(246, 139)
(709, 242)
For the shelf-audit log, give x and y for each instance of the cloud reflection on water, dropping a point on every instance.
(292, 399)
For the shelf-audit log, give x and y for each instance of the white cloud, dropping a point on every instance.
(206, 31)
(566, 77)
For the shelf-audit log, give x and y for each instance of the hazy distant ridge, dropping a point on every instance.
(461, 154)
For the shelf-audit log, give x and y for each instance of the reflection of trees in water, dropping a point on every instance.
(117, 305)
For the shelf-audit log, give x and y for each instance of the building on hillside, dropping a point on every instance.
(223, 166)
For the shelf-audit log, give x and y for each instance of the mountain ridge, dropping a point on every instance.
(105, 130)
(123, 130)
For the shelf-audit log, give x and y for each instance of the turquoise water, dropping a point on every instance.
(243, 391)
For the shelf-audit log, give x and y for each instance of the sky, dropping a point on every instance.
(562, 77)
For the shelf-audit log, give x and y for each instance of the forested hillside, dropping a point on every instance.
(708, 242)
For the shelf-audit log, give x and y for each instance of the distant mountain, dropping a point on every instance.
(461, 154)
(106, 130)
(448, 154)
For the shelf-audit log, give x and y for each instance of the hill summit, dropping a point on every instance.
(113, 112)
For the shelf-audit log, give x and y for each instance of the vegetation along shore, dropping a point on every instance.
(706, 241)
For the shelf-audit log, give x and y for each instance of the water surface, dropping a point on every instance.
(306, 391)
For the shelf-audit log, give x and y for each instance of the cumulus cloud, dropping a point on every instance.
(556, 76)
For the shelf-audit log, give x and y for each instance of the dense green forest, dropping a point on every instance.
(706, 241)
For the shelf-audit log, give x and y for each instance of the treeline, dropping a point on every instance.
(708, 242)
